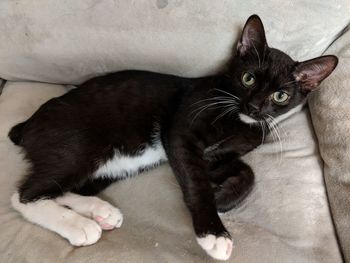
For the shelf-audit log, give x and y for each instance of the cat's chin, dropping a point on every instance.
(246, 119)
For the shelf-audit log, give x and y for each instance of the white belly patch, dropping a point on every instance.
(120, 166)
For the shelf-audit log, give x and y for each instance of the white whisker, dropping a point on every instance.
(219, 98)
(216, 103)
(229, 110)
(228, 93)
(213, 106)
(275, 130)
(263, 127)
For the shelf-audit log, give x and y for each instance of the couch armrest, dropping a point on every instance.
(330, 111)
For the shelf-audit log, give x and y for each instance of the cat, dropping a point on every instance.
(115, 126)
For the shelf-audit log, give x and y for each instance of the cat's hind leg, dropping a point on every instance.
(79, 230)
(105, 214)
(35, 200)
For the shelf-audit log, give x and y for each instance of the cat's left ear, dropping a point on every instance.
(253, 36)
(312, 72)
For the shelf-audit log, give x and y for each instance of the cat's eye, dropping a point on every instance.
(248, 79)
(280, 97)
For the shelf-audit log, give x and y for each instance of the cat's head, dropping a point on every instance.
(267, 81)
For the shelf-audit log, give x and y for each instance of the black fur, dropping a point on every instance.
(69, 136)
(16, 133)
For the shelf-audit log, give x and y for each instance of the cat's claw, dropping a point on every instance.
(218, 247)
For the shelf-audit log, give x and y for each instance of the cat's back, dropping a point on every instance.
(120, 88)
(111, 101)
(134, 79)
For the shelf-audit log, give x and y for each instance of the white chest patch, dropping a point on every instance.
(120, 166)
(289, 113)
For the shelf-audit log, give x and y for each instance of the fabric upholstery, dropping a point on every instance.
(330, 108)
(69, 41)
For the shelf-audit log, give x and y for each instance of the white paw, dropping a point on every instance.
(106, 215)
(217, 247)
(83, 232)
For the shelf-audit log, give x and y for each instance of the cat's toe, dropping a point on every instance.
(107, 216)
(84, 232)
(218, 247)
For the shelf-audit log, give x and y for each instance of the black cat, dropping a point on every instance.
(120, 124)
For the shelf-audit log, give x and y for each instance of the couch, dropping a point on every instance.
(299, 209)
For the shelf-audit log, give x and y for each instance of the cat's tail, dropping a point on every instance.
(15, 133)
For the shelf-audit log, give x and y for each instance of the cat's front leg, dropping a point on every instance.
(186, 160)
(234, 180)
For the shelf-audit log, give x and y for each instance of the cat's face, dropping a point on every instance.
(268, 83)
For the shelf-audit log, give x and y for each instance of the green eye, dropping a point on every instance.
(280, 97)
(248, 79)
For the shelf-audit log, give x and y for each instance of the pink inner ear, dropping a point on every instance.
(310, 77)
(249, 35)
(253, 35)
(312, 72)
(245, 42)
(242, 49)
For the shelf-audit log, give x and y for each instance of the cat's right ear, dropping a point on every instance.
(253, 36)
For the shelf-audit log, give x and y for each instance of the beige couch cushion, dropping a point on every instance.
(330, 108)
(69, 41)
(285, 219)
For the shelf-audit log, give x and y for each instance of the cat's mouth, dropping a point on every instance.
(250, 113)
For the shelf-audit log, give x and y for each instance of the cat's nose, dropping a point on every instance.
(252, 108)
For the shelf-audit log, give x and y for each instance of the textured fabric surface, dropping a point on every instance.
(330, 108)
(285, 219)
(64, 41)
